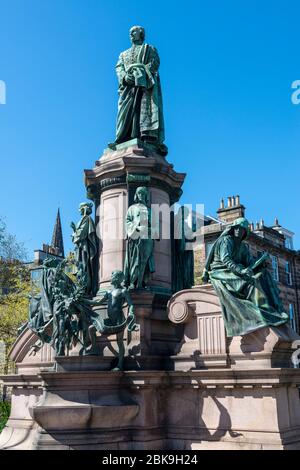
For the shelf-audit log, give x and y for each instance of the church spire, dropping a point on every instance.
(57, 237)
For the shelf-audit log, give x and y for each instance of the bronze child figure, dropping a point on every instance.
(115, 323)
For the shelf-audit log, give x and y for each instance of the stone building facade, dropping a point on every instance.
(276, 240)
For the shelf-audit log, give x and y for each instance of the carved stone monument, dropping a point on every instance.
(113, 185)
(128, 355)
(247, 393)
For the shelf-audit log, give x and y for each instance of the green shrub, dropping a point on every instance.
(4, 413)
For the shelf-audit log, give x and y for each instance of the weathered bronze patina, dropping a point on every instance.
(249, 296)
(139, 262)
(116, 322)
(85, 241)
(140, 110)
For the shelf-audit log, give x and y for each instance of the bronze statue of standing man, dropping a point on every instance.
(140, 111)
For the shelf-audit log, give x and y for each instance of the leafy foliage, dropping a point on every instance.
(10, 248)
(14, 286)
(14, 305)
(4, 413)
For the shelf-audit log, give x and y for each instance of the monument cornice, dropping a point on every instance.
(202, 378)
(131, 164)
(113, 169)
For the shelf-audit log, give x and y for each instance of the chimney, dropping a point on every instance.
(233, 211)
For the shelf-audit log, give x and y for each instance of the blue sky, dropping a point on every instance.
(226, 68)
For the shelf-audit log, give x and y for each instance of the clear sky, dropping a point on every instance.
(226, 68)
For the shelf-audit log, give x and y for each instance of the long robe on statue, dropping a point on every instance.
(140, 110)
(41, 304)
(247, 305)
(85, 240)
(139, 262)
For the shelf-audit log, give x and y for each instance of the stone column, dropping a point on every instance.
(112, 211)
(112, 184)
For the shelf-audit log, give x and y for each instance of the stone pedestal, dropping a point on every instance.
(211, 392)
(203, 342)
(201, 409)
(155, 341)
(112, 184)
(267, 347)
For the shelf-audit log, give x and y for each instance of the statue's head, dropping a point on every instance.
(137, 34)
(241, 228)
(86, 208)
(141, 195)
(117, 278)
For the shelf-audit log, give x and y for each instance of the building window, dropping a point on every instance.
(289, 243)
(275, 270)
(288, 273)
(292, 316)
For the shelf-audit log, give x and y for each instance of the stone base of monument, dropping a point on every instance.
(152, 345)
(214, 393)
(205, 409)
(204, 343)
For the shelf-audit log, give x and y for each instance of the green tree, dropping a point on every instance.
(14, 305)
(14, 286)
(4, 413)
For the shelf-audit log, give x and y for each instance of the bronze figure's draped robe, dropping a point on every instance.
(139, 262)
(85, 241)
(249, 301)
(183, 258)
(41, 304)
(140, 111)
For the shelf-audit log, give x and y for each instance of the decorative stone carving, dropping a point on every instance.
(203, 341)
